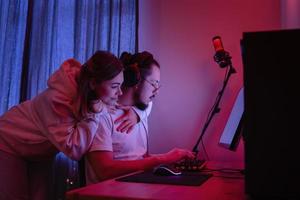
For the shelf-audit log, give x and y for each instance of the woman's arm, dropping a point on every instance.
(131, 117)
(53, 115)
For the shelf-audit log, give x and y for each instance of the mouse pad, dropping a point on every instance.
(188, 179)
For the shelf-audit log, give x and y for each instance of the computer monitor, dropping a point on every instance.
(232, 131)
(271, 123)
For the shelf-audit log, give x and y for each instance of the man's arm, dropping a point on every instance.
(105, 167)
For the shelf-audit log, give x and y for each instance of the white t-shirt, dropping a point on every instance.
(132, 146)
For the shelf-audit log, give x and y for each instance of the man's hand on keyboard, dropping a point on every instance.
(176, 155)
(190, 165)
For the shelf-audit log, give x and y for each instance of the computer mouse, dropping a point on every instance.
(163, 170)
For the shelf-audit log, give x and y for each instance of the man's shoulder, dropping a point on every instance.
(116, 114)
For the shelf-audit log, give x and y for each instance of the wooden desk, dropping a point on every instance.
(215, 188)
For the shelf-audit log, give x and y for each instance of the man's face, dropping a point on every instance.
(148, 88)
(110, 90)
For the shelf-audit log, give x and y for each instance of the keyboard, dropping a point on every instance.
(190, 165)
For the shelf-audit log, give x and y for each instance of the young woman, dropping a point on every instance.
(64, 118)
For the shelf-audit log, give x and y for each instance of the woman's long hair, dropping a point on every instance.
(102, 66)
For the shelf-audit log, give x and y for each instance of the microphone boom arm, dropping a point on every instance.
(215, 108)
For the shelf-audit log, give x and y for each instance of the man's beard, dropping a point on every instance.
(141, 105)
(138, 103)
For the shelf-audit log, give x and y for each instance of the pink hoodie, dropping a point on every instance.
(37, 129)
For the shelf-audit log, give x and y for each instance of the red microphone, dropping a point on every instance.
(217, 42)
(222, 57)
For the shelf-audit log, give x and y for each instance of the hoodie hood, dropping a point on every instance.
(64, 82)
(64, 79)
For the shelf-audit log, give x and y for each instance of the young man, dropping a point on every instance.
(114, 153)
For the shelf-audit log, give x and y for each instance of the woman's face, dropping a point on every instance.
(110, 90)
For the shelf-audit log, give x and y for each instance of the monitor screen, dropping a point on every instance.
(232, 131)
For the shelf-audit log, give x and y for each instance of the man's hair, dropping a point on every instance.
(137, 66)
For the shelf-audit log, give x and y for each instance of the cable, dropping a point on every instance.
(226, 172)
